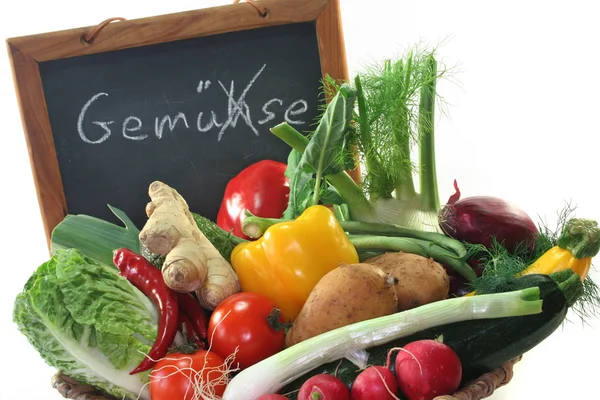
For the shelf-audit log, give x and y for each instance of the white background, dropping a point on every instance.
(523, 125)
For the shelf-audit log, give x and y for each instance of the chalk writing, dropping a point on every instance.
(206, 120)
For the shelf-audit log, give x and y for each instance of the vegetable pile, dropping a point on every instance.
(310, 284)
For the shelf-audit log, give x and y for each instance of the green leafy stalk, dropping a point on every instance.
(430, 198)
(349, 191)
(371, 159)
(300, 176)
(401, 129)
(324, 152)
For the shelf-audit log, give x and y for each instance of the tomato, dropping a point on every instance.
(177, 375)
(242, 321)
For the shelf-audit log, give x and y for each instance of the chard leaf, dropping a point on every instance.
(326, 151)
(329, 195)
(300, 175)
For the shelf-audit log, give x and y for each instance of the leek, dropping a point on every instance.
(95, 237)
(275, 372)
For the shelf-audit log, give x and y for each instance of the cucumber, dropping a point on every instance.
(223, 241)
(481, 345)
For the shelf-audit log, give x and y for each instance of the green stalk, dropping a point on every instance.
(379, 229)
(414, 246)
(405, 187)
(350, 192)
(255, 227)
(372, 163)
(317, 192)
(581, 237)
(430, 198)
(291, 136)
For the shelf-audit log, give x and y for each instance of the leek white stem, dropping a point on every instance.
(273, 373)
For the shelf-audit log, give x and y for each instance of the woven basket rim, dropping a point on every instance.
(478, 389)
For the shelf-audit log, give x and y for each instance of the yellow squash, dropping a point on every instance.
(290, 258)
(558, 259)
(578, 243)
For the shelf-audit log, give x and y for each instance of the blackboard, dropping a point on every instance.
(186, 98)
(192, 114)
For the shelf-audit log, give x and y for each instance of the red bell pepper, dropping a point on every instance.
(262, 188)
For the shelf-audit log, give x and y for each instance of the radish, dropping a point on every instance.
(375, 383)
(478, 219)
(426, 369)
(324, 387)
(272, 397)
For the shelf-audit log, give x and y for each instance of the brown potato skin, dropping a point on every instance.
(420, 280)
(348, 294)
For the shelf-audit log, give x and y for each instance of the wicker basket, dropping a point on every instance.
(478, 389)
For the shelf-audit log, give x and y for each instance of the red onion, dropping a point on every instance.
(479, 219)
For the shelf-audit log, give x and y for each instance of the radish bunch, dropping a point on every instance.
(424, 369)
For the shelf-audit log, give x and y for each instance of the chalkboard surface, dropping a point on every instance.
(191, 113)
(186, 98)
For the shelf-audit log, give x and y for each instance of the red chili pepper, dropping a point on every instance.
(149, 280)
(262, 188)
(190, 332)
(195, 313)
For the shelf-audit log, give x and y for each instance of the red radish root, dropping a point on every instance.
(427, 369)
(323, 387)
(375, 383)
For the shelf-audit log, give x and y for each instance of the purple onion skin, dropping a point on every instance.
(478, 219)
(459, 285)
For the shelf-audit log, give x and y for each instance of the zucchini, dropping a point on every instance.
(481, 345)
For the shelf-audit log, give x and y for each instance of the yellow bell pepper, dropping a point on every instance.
(578, 243)
(290, 258)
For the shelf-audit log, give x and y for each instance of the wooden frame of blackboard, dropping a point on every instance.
(26, 52)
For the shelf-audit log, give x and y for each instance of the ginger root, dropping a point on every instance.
(191, 263)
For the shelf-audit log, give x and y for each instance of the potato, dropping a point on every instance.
(420, 280)
(347, 294)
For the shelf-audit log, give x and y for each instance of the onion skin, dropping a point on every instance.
(479, 219)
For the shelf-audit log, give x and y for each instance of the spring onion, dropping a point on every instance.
(273, 373)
